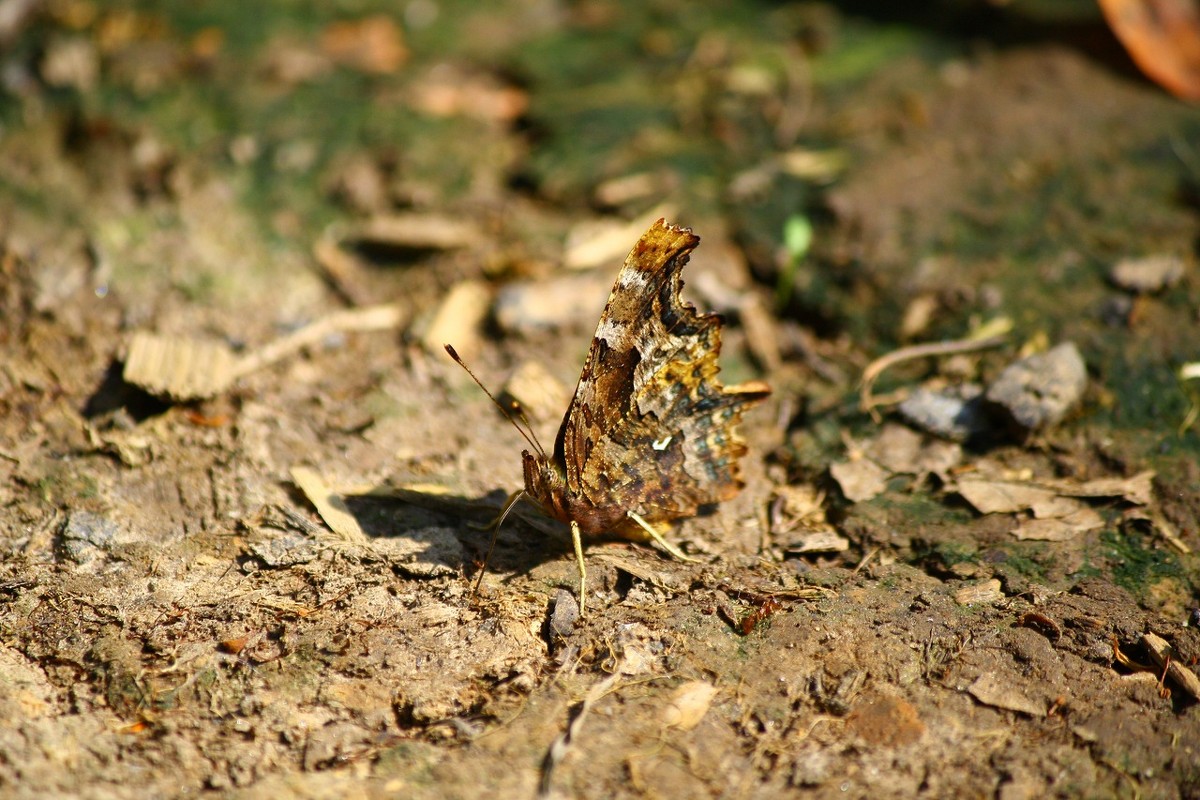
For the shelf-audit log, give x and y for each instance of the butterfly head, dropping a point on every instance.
(546, 483)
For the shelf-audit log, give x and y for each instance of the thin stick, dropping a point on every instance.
(876, 367)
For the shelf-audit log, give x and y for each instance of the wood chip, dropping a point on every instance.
(187, 369)
(1164, 656)
(540, 394)
(984, 593)
(1147, 275)
(459, 319)
(826, 541)
(178, 367)
(598, 243)
(329, 504)
(418, 232)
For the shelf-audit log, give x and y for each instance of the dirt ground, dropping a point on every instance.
(261, 585)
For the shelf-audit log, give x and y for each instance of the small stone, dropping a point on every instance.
(1038, 391)
(86, 536)
(956, 413)
(563, 616)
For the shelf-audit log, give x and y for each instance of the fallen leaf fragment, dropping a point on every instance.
(1062, 528)
(532, 307)
(596, 243)
(448, 91)
(989, 496)
(992, 691)
(860, 480)
(541, 395)
(688, 705)
(1137, 489)
(824, 541)
(417, 231)
(904, 451)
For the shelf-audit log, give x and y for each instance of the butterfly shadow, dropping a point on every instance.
(427, 534)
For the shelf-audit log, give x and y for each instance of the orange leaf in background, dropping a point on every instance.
(372, 44)
(1163, 39)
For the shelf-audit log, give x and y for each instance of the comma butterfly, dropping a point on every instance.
(649, 436)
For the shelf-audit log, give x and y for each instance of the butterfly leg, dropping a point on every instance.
(494, 527)
(577, 540)
(658, 537)
(498, 520)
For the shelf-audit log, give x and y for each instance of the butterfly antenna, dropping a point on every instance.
(514, 414)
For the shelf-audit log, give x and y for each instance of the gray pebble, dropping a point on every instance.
(87, 536)
(563, 616)
(955, 413)
(1038, 391)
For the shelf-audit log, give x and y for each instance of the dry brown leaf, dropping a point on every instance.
(1137, 489)
(1061, 528)
(1001, 497)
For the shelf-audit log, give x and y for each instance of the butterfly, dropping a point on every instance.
(649, 436)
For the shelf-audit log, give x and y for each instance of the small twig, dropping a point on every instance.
(562, 743)
(372, 318)
(877, 367)
(1171, 668)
